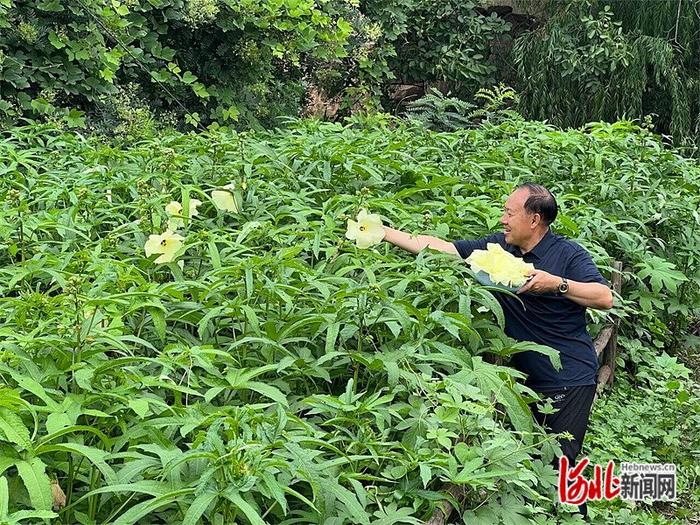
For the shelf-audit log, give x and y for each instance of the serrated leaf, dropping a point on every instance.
(331, 336)
(348, 499)
(266, 390)
(14, 429)
(198, 508)
(96, 456)
(138, 511)
(37, 483)
(250, 513)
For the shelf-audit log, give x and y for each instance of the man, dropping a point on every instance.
(565, 281)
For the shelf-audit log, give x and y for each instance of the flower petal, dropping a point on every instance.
(353, 230)
(174, 208)
(164, 258)
(501, 266)
(153, 245)
(172, 243)
(194, 204)
(364, 242)
(224, 200)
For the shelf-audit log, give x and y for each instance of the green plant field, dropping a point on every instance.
(274, 372)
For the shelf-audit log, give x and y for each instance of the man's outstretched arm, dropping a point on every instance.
(415, 243)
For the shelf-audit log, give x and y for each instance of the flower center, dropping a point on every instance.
(363, 228)
(164, 242)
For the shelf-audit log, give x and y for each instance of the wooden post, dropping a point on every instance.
(606, 342)
(444, 508)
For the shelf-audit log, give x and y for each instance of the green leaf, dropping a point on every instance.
(150, 487)
(214, 256)
(348, 499)
(188, 77)
(661, 274)
(158, 318)
(55, 41)
(38, 484)
(200, 90)
(30, 385)
(198, 507)
(42, 106)
(95, 455)
(138, 511)
(529, 346)
(75, 118)
(268, 391)
(14, 429)
(250, 513)
(4, 498)
(425, 474)
(331, 336)
(57, 421)
(140, 406)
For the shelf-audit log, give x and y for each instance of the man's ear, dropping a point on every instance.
(536, 220)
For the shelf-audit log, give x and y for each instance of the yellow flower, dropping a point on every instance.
(175, 208)
(367, 231)
(501, 266)
(223, 198)
(166, 244)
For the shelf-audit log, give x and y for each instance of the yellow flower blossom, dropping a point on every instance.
(224, 199)
(166, 244)
(502, 267)
(366, 231)
(174, 209)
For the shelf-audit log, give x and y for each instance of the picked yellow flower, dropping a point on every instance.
(366, 231)
(174, 209)
(167, 244)
(224, 199)
(501, 266)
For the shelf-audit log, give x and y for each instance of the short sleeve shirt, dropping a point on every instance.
(549, 319)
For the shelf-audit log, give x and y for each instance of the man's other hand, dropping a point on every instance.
(592, 295)
(540, 281)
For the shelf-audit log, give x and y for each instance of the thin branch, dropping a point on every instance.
(678, 17)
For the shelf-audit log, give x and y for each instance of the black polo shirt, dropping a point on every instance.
(549, 319)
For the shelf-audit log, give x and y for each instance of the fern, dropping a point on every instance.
(441, 112)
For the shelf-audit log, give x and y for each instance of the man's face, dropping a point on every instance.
(517, 223)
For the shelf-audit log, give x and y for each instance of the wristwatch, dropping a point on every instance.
(563, 286)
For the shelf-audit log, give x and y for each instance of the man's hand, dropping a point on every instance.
(593, 295)
(540, 281)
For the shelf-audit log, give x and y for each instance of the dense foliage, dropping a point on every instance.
(607, 59)
(433, 40)
(130, 64)
(282, 375)
(195, 60)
